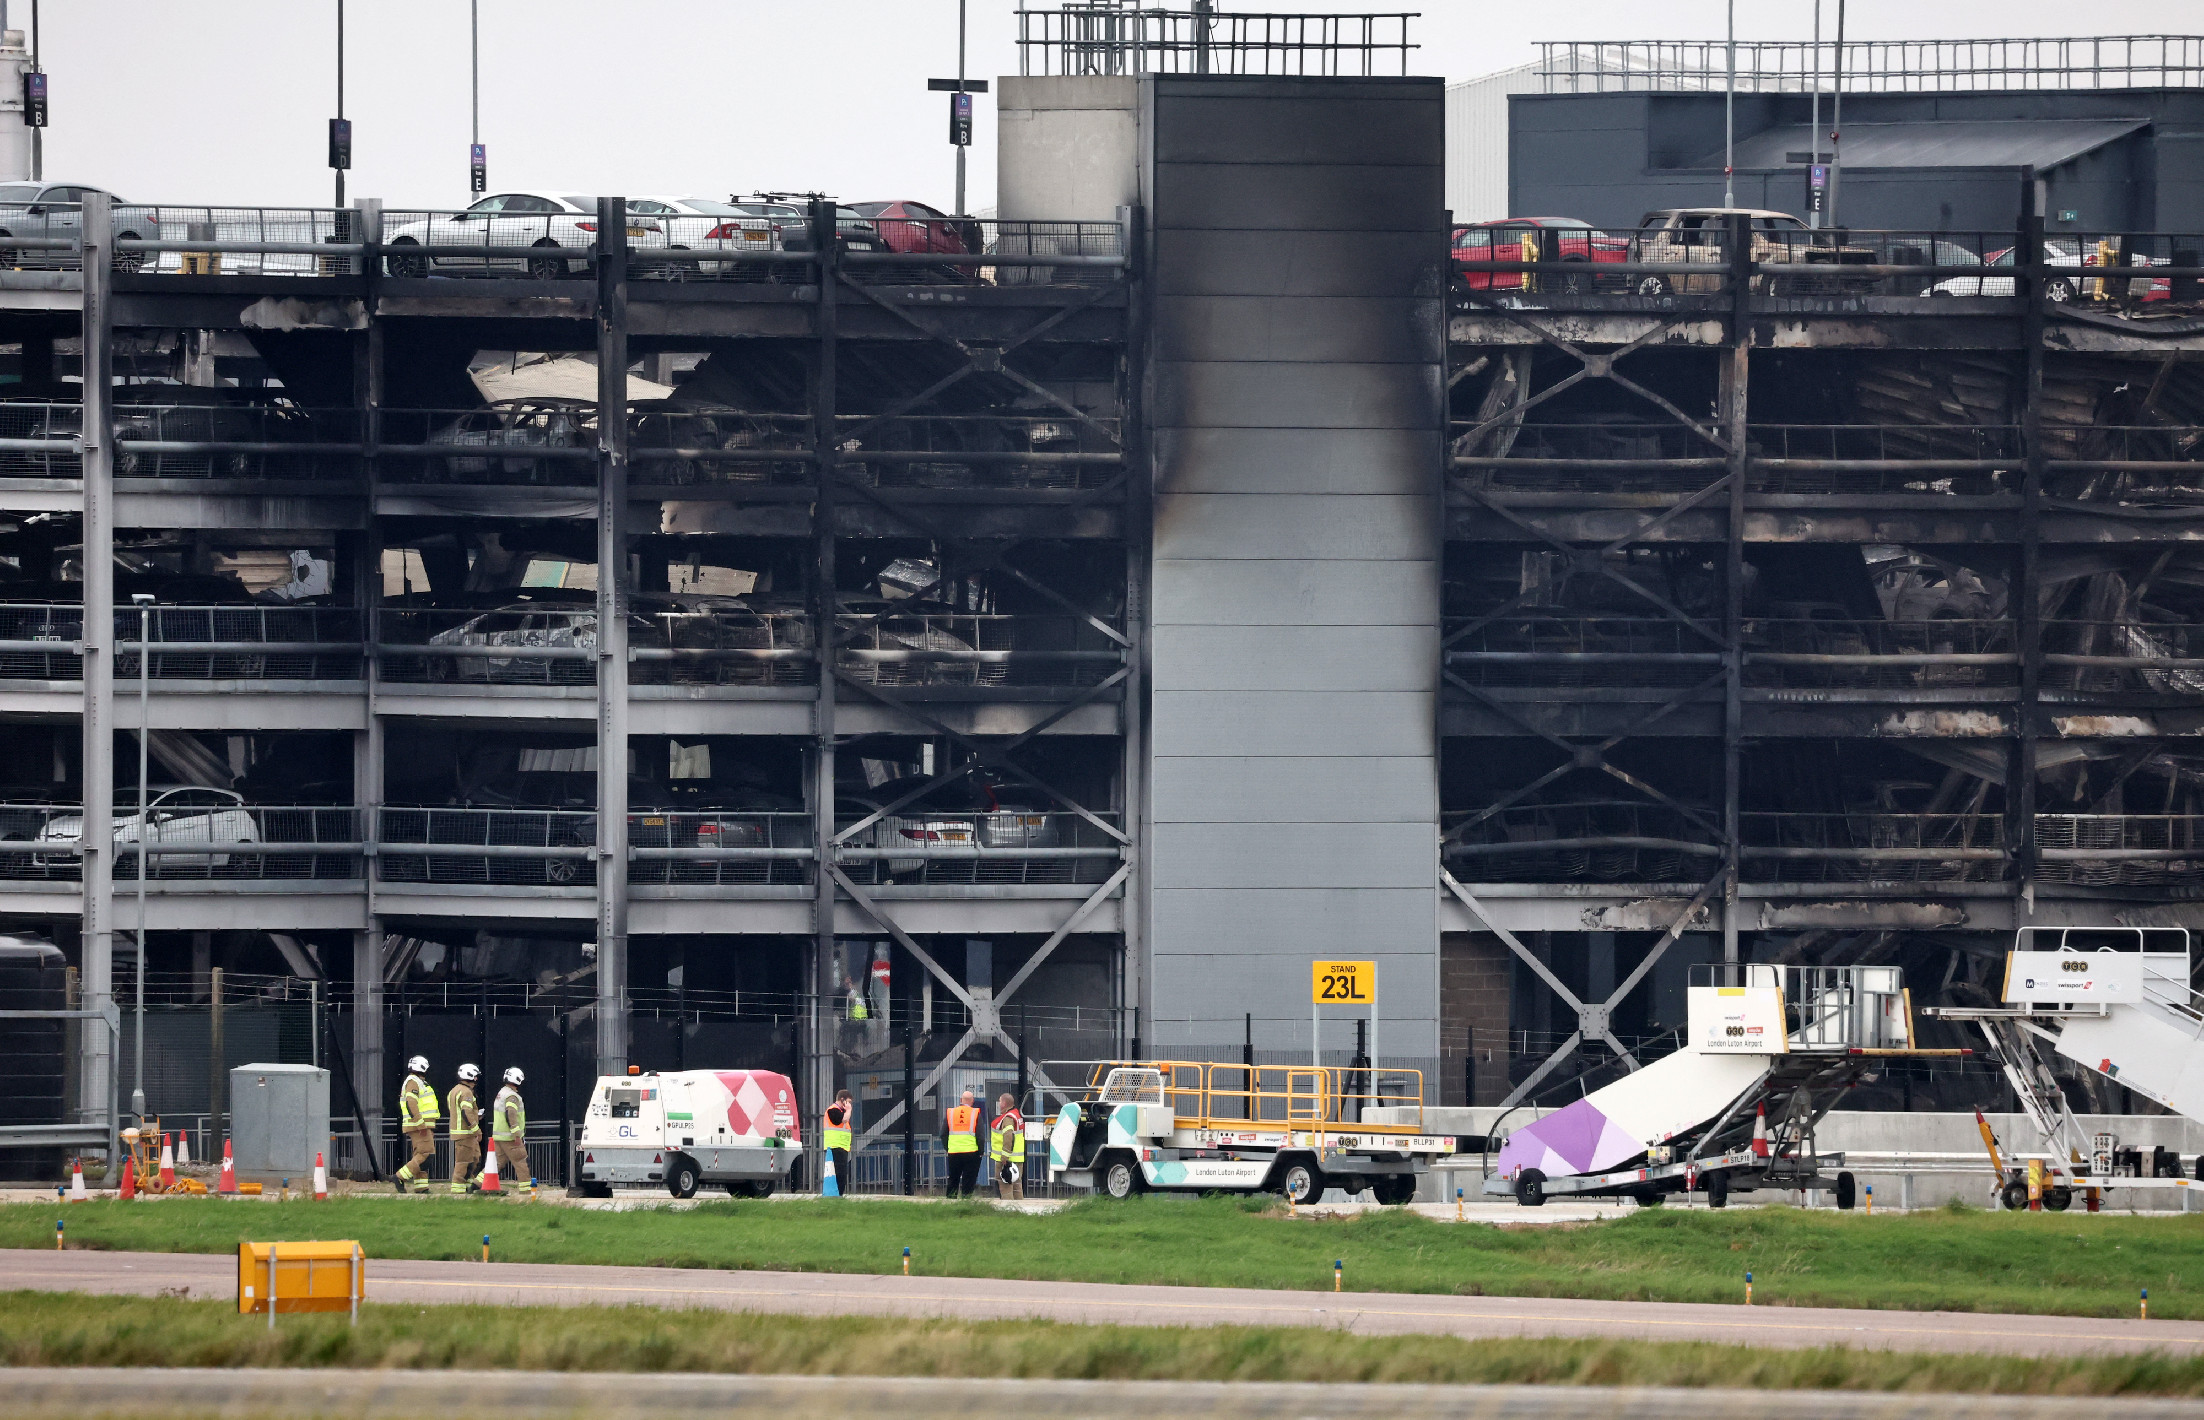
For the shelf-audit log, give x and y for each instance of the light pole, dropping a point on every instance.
(145, 734)
(960, 91)
(1729, 116)
(340, 131)
(960, 98)
(38, 134)
(1813, 134)
(1836, 120)
(478, 158)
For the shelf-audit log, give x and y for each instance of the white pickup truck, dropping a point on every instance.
(686, 1128)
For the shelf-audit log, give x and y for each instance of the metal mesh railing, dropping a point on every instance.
(1108, 37)
(721, 646)
(2121, 850)
(1872, 66)
(689, 447)
(1560, 651)
(1879, 655)
(720, 848)
(501, 847)
(982, 451)
(1872, 847)
(1579, 842)
(2124, 656)
(254, 642)
(963, 649)
(1008, 846)
(213, 836)
(554, 644)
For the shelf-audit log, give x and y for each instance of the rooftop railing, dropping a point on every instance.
(1106, 37)
(1873, 66)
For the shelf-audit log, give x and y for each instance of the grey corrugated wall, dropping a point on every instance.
(1295, 385)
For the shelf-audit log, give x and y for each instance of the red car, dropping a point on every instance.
(913, 227)
(1481, 244)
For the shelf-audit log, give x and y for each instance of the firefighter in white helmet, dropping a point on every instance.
(466, 1130)
(417, 1116)
(509, 1131)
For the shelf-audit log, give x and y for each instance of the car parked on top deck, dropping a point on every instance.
(547, 222)
(1480, 245)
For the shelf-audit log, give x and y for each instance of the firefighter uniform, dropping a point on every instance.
(1006, 1151)
(508, 1131)
(417, 1116)
(466, 1132)
(960, 1137)
(835, 1136)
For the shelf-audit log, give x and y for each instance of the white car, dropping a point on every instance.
(705, 223)
(554, 222)
(189, 817)
(2056, 254)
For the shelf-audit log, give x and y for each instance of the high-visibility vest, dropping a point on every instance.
(508, 1116)
(1006, 1139)
(417, 1107)
(837, 1127)
(466, 1115)
(964, 1129)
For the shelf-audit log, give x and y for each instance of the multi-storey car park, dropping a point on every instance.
(614, 651)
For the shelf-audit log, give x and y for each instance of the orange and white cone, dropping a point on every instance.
(76, 1181)
(321, 1179)
(129, 1188)
(227, 1183)
(168, 1162)
(1760, 1131)
(183, 1149)
(489, 1172)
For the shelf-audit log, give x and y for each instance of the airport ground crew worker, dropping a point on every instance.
(836, 1138)
(417, 1116)
(1006, 1148)
(509, 1131)
(960, 1137)
(466, 1130)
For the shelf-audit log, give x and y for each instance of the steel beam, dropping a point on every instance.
(98, 780)
(612, 640)
(817, 1032)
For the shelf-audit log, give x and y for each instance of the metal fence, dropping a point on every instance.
(722, 646)
(2157, 658)
(2121, 850)
(502, 847)
(1560, 651)
(1873, 847)
(1596, 841)
(966, 649)
(1879, 655)
(214, 836)
(1009, 846)
(720, 848)
(1111, 37)
(1872, 66)
(982, 451)
(550, 644)
(702, 447)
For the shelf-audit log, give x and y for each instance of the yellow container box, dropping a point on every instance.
(300, 1277)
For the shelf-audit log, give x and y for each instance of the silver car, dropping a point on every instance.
(54, 209)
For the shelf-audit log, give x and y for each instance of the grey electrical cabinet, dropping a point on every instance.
(279, 1119)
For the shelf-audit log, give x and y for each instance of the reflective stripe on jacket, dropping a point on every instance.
(508, 1116)
(964, 1129)
(466, 1114)
(1006, 1139)
(836, 1135)
(417, 1107)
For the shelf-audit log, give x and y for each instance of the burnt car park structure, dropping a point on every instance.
(1065, 633)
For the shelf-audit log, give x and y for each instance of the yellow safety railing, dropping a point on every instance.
(1205, 1094)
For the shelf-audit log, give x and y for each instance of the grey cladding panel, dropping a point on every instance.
(1351, 330)
(1289, 855)
(1367, 658)
(1293, 723)
(1260, 395)
(1397, 129)
(1319, 526)
(1294, 593)
(1207, 921)
(1250, 790)
(1262, 263)
(1394, 461)
(1233, 196)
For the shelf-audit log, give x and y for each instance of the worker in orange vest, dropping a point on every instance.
(960, 1139)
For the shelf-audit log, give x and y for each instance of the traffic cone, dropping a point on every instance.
(168, 1162)
(129, 1177)
(227, 1183)
(183, 1149)
(489, 1172)
(321, 1179)
(829, 1186)
(76, 1181)
(1760, 1130)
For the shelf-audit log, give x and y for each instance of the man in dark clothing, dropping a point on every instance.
(960, 1140)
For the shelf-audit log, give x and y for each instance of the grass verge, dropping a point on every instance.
(48, 1329)
(1956, 1260)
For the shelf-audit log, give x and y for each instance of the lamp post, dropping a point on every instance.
(145, 734)
(478, 157)
(960, 91)
(340, 129)
(1729, 115)
(38, 133)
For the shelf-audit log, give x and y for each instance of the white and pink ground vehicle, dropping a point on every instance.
(686, 1128)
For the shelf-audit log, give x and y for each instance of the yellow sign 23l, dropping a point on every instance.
(1343, 983)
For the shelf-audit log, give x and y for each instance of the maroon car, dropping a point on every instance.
(914, 228)
(1480, 245)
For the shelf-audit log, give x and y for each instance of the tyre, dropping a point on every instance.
(1120, 1177)
(1717, 1186)
(410, 264)
(683, 1176)
(1530, 1188)
(1395, 1189)
(2014, 1196)
(593, 1190)
(676, 270)
(129, 263)
(1652, 285)
(1576, 283)
(2058, 290)
(1650, 1198)
(2058, 1200)
(749, 1188)
(1848, 1192)
(1301, 1182)
(1351, 1184)
(547, 268)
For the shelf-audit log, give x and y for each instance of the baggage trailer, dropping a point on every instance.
(2115, 1000)
(1198, 1127)
(687, 1128)
(1735, 1108)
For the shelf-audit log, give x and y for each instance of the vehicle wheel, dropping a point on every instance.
(1302, 1183)
(1650, 1198)
(2058, 1200)
(593, 1190)
(677, 270)
(1530, 1188)
(1848, 1192)
(1653, 285)
(129, 263)
(1350, 1184)
(682, 1176)
(561, 870)
(1392, 1190)
(1576, 283)
(2199, 1171)
(547, 268)
(2058, 290)
(8, 256)
(408, 265)
(2014, 1196)
(1121, 1177)
(749, 1188)
(1717, 1186)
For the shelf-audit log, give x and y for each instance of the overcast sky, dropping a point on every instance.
(226, 100)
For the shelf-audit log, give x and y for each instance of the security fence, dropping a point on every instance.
(189, 834)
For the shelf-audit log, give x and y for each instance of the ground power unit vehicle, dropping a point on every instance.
(1735, 1108)
(687, 1128)
(2115, 1000)
(1199, 1127)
